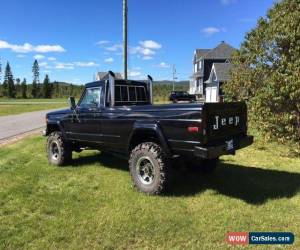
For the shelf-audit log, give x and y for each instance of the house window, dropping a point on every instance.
(200, 64)
(196, 67)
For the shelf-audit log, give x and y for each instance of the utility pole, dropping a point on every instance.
(125, 13)
(174, 76)
(0, 71)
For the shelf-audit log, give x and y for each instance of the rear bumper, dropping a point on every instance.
(216, 151)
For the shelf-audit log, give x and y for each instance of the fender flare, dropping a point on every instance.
(59, 125)
(153, 127)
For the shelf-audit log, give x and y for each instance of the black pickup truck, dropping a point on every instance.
(177, 96)
(117, 116)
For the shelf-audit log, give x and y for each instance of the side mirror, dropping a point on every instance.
(72, 102)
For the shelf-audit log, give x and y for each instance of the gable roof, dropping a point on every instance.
(104, 75)
(201, 52)
(222, 51)
(222, 71)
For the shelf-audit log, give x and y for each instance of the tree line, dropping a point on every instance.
(17, 88)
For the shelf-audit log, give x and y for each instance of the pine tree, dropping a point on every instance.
(47, 90)
(8, 85)
(24, 89)
(36, 79)
(18, 86)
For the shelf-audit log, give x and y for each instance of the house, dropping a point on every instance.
(218, 76)
(203, 65)
(104, 76)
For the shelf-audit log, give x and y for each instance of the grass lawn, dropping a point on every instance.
(18, 106)
(92, 204)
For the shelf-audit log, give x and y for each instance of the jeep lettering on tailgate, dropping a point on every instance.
(223, 121)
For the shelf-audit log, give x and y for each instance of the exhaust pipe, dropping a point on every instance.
(150, 86)
(111, 81)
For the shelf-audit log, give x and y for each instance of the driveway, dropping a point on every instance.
(15, 125)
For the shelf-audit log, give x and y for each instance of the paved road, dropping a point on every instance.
(15, 125)
(26, 103)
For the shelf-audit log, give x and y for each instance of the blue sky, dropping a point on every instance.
(72, 39)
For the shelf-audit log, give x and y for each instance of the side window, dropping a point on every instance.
(132, 94)
(118, 94)
(124, 93)
(91, 98)
(141, 94)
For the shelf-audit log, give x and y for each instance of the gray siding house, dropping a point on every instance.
(104, 76)
(210, 63)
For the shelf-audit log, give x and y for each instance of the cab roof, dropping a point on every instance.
(120, 82)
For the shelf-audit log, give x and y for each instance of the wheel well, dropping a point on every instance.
(143, 136)
(52, 128)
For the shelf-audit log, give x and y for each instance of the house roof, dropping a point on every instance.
(223, 71)
(222, 51)
(104, 75)
(201, 52)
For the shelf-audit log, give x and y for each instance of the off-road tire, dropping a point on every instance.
(205, 166)
(64, 152)
(160, 163)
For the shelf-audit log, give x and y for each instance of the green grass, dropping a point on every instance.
(92, 204)
(18, 106)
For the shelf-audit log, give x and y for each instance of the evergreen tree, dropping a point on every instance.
(8, 85)
(24, 89)
(18, 86)
(36, 79)
(47, 89)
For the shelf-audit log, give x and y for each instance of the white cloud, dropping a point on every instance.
(27, 47)
(150, 44)
(163, 65)
(49, 48)
(141, 51)
(38, 57)
(209, 31)
(51, 58)
(109, 60)
(72, 65)
(60, 65)
(134, 73)
(146, 50)
(227, 2)
(86, 64)
(43, 65)
(103, 42)
(115, 47)
(21, 56)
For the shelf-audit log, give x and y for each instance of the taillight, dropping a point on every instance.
(193, 129)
